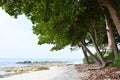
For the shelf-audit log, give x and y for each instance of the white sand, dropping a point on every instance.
(58, 73)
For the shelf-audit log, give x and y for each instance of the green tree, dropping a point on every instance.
(63, 22)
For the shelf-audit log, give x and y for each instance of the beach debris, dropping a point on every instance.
(107, 73)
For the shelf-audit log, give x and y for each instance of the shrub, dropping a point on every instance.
(109, 57)
(116, 61)
(90, 58)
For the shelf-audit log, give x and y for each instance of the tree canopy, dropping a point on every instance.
(59, 22)
(67, 22)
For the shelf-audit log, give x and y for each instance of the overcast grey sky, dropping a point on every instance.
(18, 41)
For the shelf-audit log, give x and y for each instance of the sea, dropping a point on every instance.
(12, 62)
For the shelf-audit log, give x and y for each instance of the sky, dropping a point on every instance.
(18, 41)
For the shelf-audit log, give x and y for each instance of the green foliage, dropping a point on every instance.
(63, 22)
(110, 56)
(89, 58)
(116, 61)
(60, 22)
(57, 22)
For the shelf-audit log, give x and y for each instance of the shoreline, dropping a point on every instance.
(37, 75)
(31, 67)
(70, 71)
(54, 73)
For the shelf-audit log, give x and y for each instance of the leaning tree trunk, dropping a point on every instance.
(96, 60)
(85, 55)
(85, 52)
(110, 33)
(97, 49)
(114, 14)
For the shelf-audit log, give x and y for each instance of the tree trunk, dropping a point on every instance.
(109, 47)
(111, 38)
(85, 54)
(94, 58)
(97, 49)
(114, 14)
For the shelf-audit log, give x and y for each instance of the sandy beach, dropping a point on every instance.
(55, 73)
(65, 72)
(44, 75)
(71, 72)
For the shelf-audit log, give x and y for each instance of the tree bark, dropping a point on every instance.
(85, 55)
(114, 14)
(97, 49)
(109, 47)
(94, 58)
(85, 52)
(111, 38)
